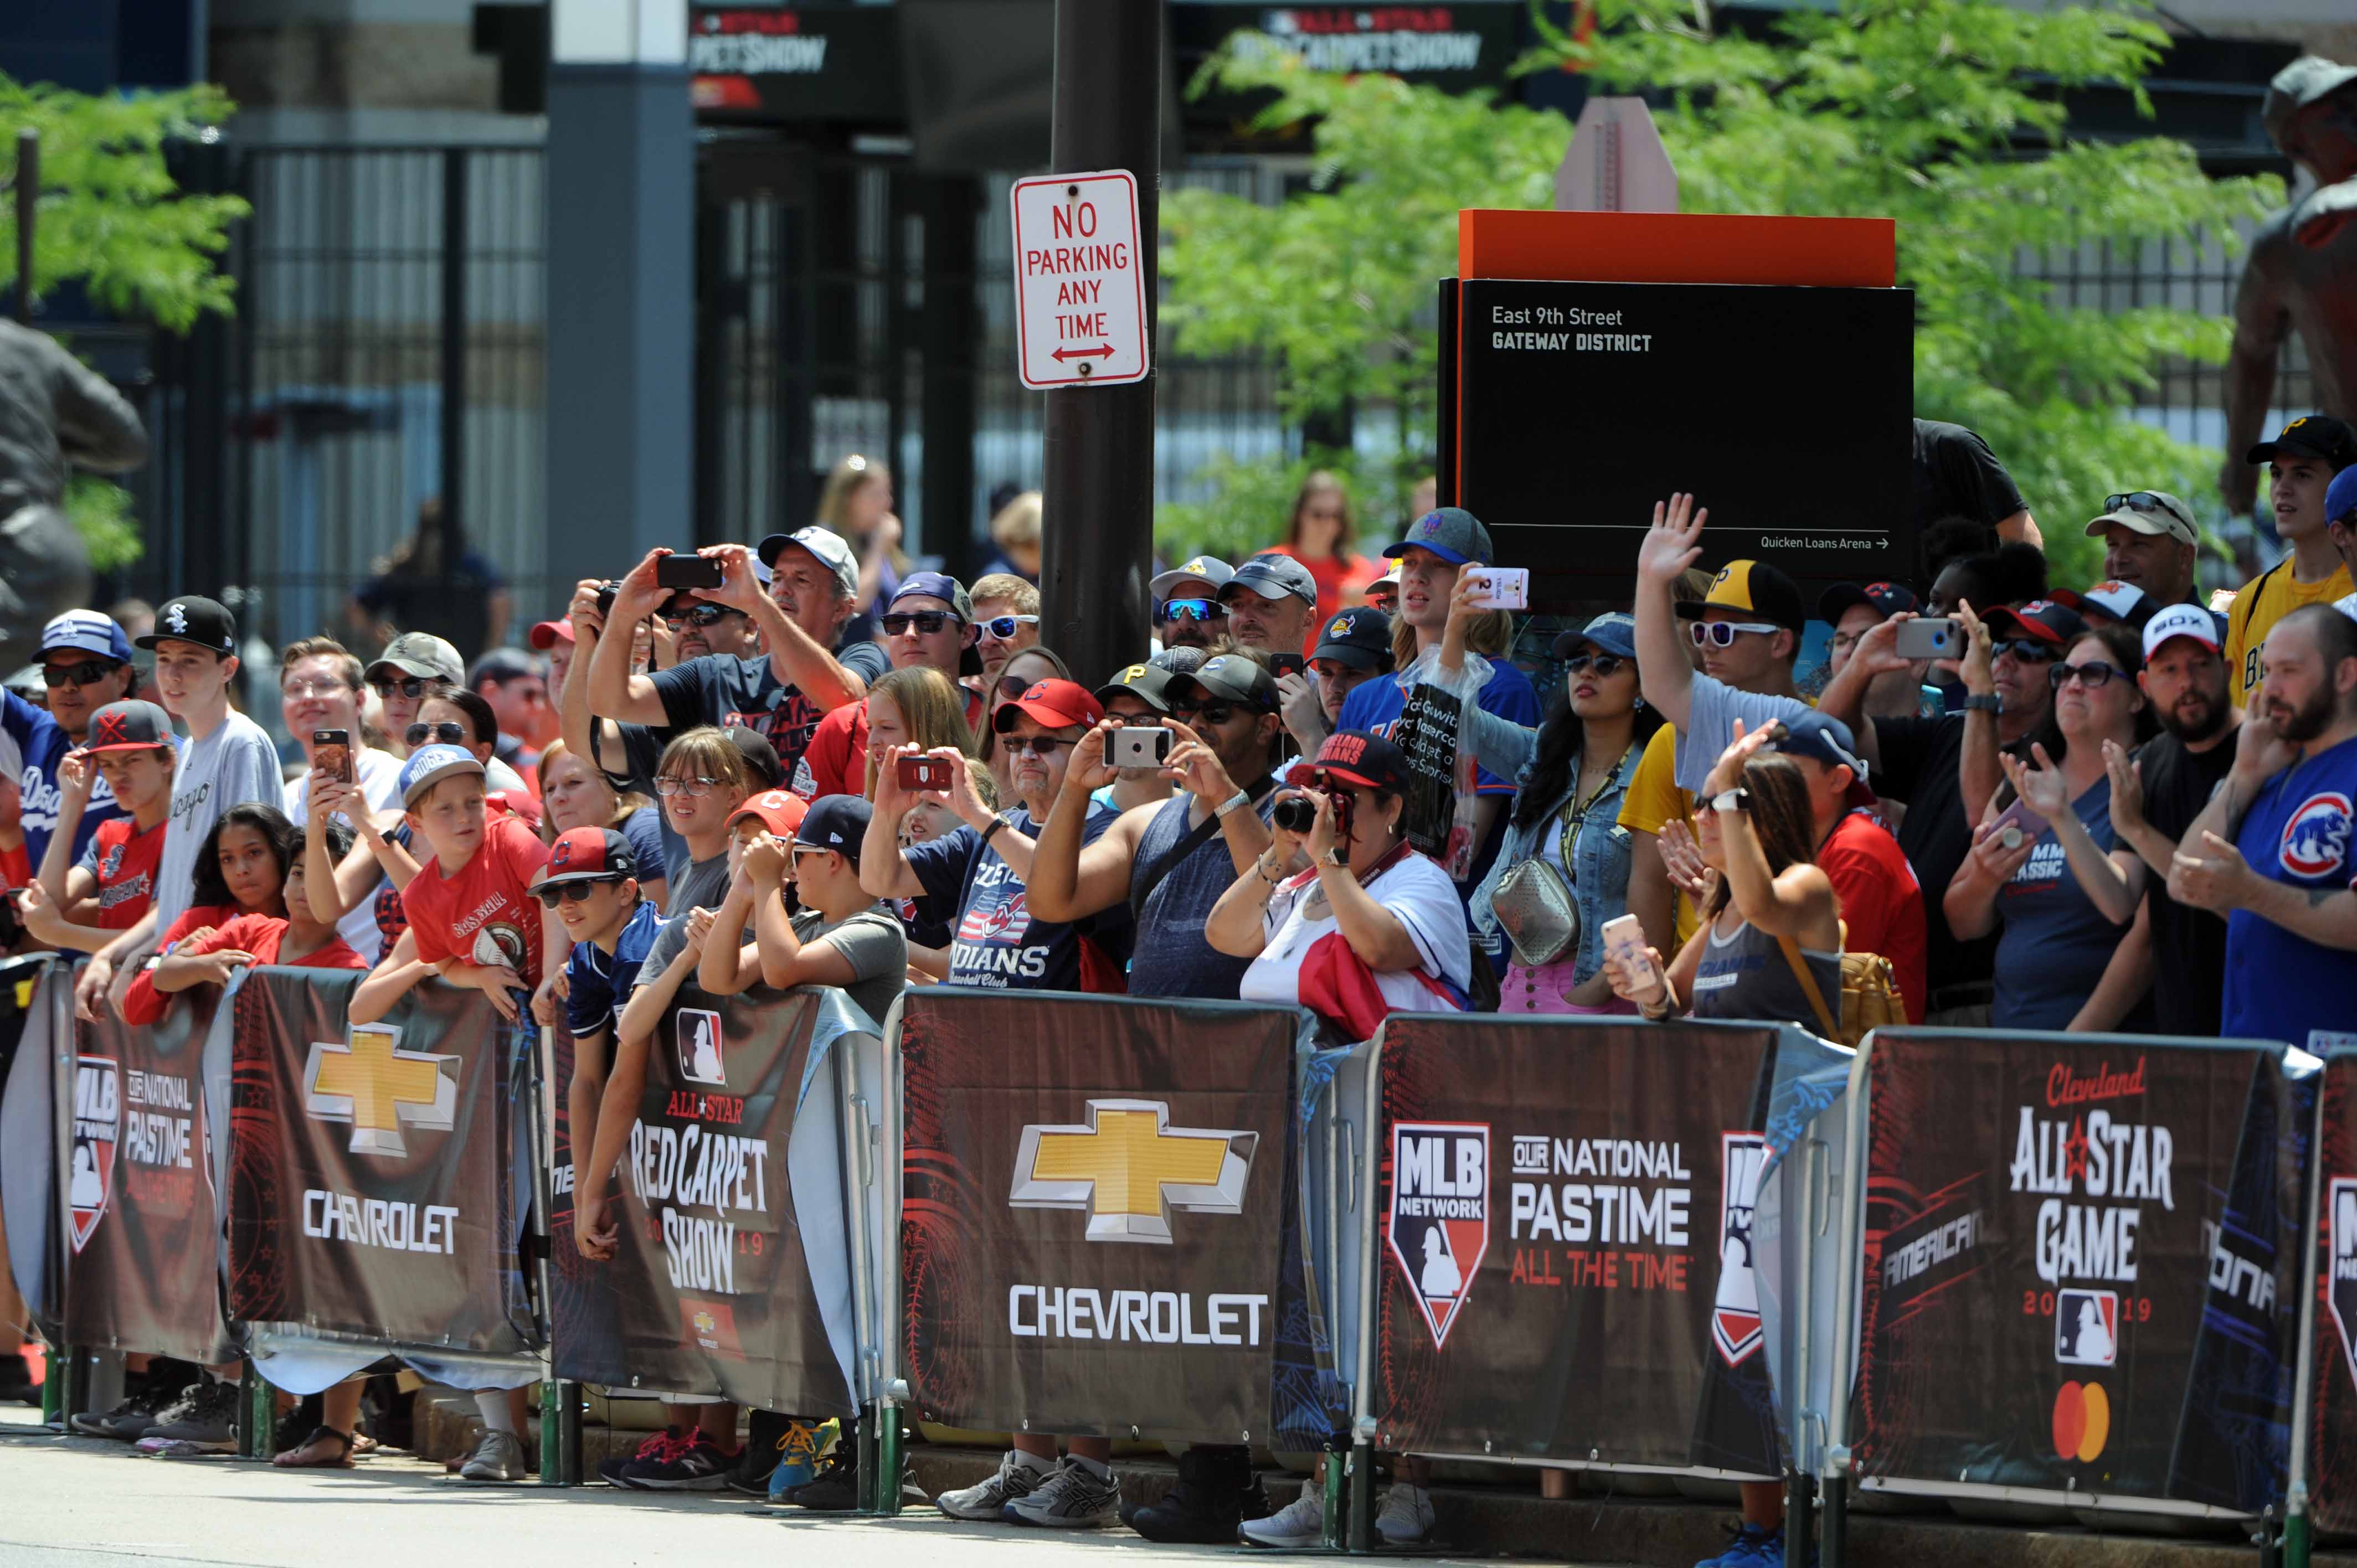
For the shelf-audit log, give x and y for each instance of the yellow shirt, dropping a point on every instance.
(2264, 600)
(1654, 799)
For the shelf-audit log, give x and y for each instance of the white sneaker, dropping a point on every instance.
(1069, 1498)
(1407, 1517)
(1017, 1477)
(1301, 1522)
(498, 1457)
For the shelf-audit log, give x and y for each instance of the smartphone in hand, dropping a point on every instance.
(924, 773)
(687, 571)
(331, 754)
(1625, 939)
(1930, 638)
(1504, 589)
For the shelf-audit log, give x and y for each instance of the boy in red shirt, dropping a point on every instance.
(130, 745)
(471, 911)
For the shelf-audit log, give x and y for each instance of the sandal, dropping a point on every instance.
(292, 1459)
(363, 1443)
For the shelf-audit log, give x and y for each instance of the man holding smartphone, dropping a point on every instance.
(319, 696)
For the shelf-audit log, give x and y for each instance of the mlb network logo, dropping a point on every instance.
(1440, 1214)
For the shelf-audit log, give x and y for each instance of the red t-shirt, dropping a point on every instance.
(141, 1003)
(486, 914)
(1342, 582)
(835, 762)
(261, 934)
(1881, 904)
(124, 859)
(16, 866)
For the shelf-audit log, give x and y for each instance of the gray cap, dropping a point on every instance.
(424, 655)
(833, 551)
(2306, 81)
(1209, 571)
(1450, 532)
(1181, 660)
(1273, 577)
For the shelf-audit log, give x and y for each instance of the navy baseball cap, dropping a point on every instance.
(87, 632)
(1359, 637)
(937, 586)
(1612, 632)
(1822, 736)
(838, 822)
(590, 854)
(429, 765)
(130, 726)
(1235, 677)
(1450, 532)
(1887, 599)
(2340, 500)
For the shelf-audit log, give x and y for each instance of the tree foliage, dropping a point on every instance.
(1943, 114)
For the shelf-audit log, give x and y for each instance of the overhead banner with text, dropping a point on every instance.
(1094, 1196)
(2080, 1265)
(1565, 1265)
(726, 1271)
(373, 1171)
(143, 1268)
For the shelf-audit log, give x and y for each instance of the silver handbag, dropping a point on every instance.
(1536, 910)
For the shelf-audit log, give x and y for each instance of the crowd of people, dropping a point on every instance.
(2012, 803)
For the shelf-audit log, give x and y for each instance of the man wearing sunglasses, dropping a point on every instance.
(2150, 540)
(929, 622)
(85, 663)
(699, 627)
(1007, 617)
(1188, 613)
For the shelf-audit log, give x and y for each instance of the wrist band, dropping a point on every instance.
(996, 824)
(1231, 802)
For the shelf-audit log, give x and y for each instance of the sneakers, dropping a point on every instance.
(836, 1488)
(1016, 1478)
(615, 1471)
(1070, 1497)
(797, 1465)
(498, 1457)
(1751, 1548)
(693, 1464)
(1217, 1491)
(1301, 1522)
(203, 1419)
(129, 1421)
(1405, 1517)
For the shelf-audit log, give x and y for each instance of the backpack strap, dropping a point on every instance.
(1194, 840)
(1809, 983)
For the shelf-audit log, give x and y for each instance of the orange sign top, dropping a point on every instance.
(1677, 247)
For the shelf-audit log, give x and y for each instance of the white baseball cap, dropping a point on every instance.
(2181, 621)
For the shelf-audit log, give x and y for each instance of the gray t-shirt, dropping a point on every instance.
(877, 949)
(1712, 708)
(701, 885)
(233, 765)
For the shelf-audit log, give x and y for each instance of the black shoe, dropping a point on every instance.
(17, 1385)
(836, 1488)
(768, 1432)
(1217, 1490)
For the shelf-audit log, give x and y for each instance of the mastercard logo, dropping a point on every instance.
(2083, 1422)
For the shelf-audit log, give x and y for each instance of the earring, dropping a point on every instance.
(1638, 706)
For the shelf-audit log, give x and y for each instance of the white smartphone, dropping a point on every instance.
(1505, 588)
(1625, 937)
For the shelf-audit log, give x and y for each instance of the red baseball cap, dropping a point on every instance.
(1056, 704)
(776, 809)
(590, 854)
(547, 634)
(1356, 756)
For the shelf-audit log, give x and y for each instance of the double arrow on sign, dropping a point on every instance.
(1099, 352)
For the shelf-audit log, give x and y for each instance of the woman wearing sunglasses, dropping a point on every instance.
(2046, 872)
(1563, 869)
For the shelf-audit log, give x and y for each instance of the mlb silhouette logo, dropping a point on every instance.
(2087, 1327)
(698, 1039)
(1735, 1324)
(1440, 1214)
(97, 1128)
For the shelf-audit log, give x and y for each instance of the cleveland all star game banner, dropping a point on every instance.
(372, 1182)
(143, 1220)
(1565, 1265)
(731, 1276)
(2080, 1265)
(1095, 1215)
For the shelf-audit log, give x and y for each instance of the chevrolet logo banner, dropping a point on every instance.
(1127, 1168)
(378, 1088)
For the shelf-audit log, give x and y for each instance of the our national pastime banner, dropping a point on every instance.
(372, 1188)
(142, 1269)
(2080, 1265)
(1566, 1210)
(1093, 1205)
(717, 1286)
(2332, 1410)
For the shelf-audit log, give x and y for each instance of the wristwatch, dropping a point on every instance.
(1988, 704)
(1335, 857)
(385, 836)
(1731, 801)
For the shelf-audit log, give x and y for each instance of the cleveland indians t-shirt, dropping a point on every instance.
(486, 914)
(995, 943)
(2281, 986)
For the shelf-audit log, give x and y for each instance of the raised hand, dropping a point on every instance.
(1674, 543)
(2043, 787)
(2128, 785)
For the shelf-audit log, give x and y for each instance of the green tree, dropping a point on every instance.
(1943, 114)
(112, 220)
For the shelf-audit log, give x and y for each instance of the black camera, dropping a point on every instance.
(1294, 814)
(606, 592)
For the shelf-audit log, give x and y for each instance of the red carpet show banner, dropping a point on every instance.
(1094, 1193)
(2080, 1265)
(2332, 1410)
(369, 1180)
(142, 1269)
(710, 1290)
(1566, 1268)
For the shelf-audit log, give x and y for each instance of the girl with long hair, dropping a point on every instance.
(857, 504)
(914, 706)
(240, 869)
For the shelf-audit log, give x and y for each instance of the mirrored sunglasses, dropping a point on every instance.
(1001, 628)
(1194, 609)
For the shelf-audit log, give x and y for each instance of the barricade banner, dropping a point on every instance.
(36, 994)
(1566, 1210)
(1095, 1212)
(717, 1286)
(372, 1183)
(143, 1226)
(2079, 1269)
(2332, 1346)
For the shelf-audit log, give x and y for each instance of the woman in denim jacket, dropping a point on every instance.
(1569, 777)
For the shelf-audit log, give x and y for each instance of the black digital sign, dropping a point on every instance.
(1785, 411)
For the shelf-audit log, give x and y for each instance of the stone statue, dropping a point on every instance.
(54, 411)
(2301, 275)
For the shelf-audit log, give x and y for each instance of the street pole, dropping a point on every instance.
(1098, 542)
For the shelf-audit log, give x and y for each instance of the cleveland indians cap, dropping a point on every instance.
(590, 854)
(193, 618)
(1355, 757)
